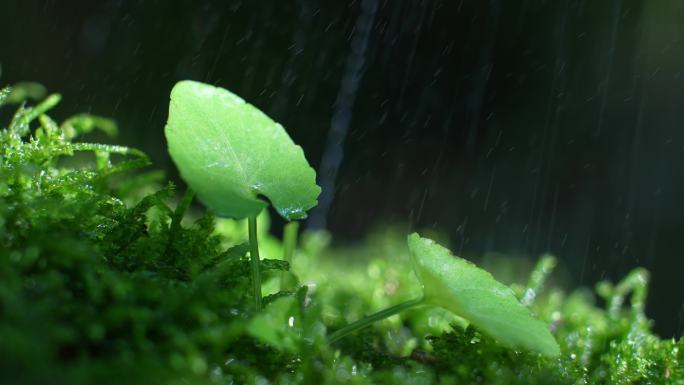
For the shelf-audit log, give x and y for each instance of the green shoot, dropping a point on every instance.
(232, 155)
(101, 278)
(471, 293)
(537, 279)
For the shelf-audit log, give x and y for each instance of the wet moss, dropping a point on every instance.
(106, 275)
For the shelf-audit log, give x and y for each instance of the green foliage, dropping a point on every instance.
(84, 276)
(106, 276)
(231, 154)
(598, 345)
(472, 293)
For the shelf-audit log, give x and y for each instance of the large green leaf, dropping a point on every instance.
(232, 154)
(473, 294)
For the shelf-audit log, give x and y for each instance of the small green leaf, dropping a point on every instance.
(472, 293)
(276, 324)
(231, 153)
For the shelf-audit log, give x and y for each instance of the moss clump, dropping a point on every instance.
(88, 282)
(103, 278)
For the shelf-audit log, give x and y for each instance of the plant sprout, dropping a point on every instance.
(233, 156)
(100, 276)
(471, 293)
(237, 159)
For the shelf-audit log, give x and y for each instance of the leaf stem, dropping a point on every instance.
(254, 255)
(289, 244)
(363, 322)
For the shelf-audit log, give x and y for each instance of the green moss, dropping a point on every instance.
(107, 277)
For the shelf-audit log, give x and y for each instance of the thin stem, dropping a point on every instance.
(289, 245)
(254, 254)
(538, 277)
(363, 322)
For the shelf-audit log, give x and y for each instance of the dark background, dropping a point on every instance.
(516, 127)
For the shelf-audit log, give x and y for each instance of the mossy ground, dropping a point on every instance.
(106, 277)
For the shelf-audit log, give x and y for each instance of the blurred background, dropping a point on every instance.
(513, 127)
